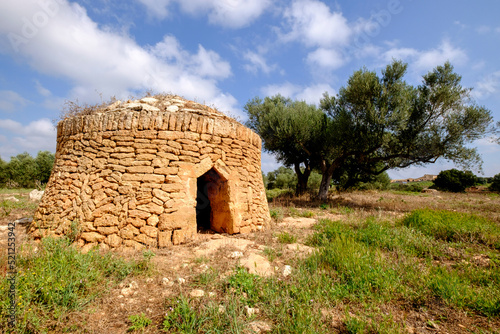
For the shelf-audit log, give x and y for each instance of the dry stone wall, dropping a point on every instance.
(134, 175)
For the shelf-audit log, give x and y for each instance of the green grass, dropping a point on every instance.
(286, 238)
(15, 190)
(452, 226)
(57, 279)
(139, 322)
(7, 206)
(381, 260)
(276, 214)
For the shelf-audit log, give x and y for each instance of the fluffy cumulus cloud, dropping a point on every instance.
(310, 94)
(11, 101)
(327, 32)
(314, 24)
(227, 13)
(424, 61)
(59, 39)
(36, 136)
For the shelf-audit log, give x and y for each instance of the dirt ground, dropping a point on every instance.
(176, 267)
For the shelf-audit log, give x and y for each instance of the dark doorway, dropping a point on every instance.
(212, 204)
(203, 207)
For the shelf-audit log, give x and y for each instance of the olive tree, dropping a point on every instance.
(381, 122)
(291, 130)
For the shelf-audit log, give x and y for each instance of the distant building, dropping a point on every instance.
(426, 177)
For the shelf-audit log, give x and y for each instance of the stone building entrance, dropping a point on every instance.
(212, 203)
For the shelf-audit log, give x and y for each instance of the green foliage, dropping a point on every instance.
(276, 193)
(495, 183)
(245, 285)
(415, 187)
(276, 213)
(378, 182)
(25, 171)
(192, 317)
(314, 181)
(454, 226)
(139, 322)
(455, 180)
(57, 279)
(282, 178)
(286, 238)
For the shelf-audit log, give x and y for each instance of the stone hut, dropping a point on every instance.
(152, 172)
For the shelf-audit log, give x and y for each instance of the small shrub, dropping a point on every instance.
(272, 194)
(306, 214)
(454, 180)
(286, 238)
(495, 183)
(139, 322)
(276, 214)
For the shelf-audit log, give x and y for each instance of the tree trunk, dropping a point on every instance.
(324, 187)
(302, 178)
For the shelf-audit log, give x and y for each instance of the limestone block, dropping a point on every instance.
(106, 230)
(106, 220)
(150, 231)
(137, 222)
(153, 220)
(178, 219)
(151, 208)
(128, 232)
(92, 237)
(113, 240)
(140, 169)
(144, 239)
(161, 195)
(164, 239)
(178, 237)
(133, 244)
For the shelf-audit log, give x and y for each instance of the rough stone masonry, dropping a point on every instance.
(152, 173)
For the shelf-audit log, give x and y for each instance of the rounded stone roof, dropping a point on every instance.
(155, 113)
(162, 103)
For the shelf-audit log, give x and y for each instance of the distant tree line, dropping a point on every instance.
(284, 180)
(24, 171)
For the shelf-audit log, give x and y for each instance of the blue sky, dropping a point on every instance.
(225, 52)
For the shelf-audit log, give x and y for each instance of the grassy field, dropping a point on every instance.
(375, 262)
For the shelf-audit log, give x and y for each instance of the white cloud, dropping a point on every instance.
(333, 38)
(310, 94)
(70, 45)
(327, 58)
(428, 59)
(314, 24)
(11, 101)
(400, 53)
(42, 90)
(445, 52)
(257, 62)
(226, 13)
(489, 85)
(157, 8)
(37, 136)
